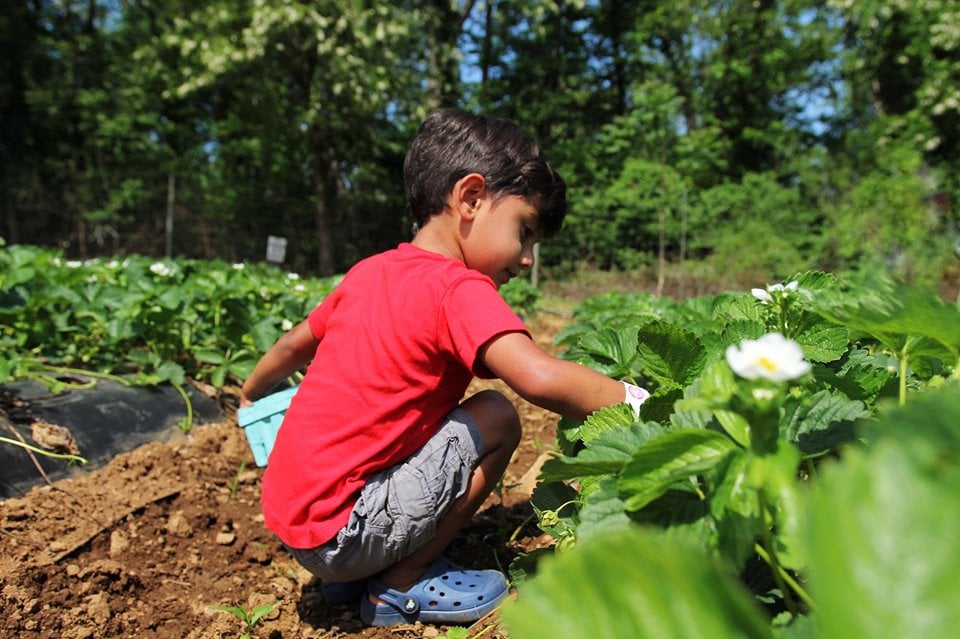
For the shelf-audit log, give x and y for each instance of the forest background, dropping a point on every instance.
(730, 136)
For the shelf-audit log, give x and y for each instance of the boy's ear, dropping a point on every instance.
(468, 193)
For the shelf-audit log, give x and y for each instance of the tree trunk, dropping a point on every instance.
(616, 29)
(168, 225)
(81, 225)
(12, 234)
(662, 256)
(443, 79)
(683, 244)
(325, 189)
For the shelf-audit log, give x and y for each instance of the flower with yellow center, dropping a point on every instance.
(772, 357)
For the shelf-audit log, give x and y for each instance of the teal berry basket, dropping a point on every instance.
(261, 421)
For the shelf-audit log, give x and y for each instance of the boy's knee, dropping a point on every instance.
(496, 417)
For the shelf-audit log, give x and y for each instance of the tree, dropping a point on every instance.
(54, 68)
(348, 73)
(742, 67)
(894, 168)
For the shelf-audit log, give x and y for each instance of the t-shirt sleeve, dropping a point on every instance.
(317, 319)
(473, 313)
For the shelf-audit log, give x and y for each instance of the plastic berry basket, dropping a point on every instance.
(261, 421)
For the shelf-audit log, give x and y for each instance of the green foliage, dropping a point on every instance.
(818, 134)
(881, 526)
(885, 221)
(250, 618)
(152, 321)
(723, 457)
(878, 529)
(520, 294)
(633, 584)
(760, 213)
(911, 323)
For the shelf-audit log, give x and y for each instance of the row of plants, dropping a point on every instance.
(794, 473)
(145, 321)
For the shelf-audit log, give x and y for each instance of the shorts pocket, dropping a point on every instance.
(450, 471)
(412, 509)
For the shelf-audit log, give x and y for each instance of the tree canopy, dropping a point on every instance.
(763, 135)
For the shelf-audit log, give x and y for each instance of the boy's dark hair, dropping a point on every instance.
(453, 143)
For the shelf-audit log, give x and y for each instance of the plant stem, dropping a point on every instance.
(770, 556)
(40, 451)
(485, 630)
(77, 371)
(903, 378)
(52, 382)
(188, 420)
(519, 529)
(794, 585)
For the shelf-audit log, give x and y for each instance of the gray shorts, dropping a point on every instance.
(398, 508)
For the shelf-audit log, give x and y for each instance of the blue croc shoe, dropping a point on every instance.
(339, 593)
(446, 594)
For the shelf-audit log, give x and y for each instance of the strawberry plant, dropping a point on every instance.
(150, 321)
(751, 395)
(877, 534)
(141, 321)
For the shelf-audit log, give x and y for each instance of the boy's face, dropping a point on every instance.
(501, 239)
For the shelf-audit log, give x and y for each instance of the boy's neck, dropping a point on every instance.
(436, 236)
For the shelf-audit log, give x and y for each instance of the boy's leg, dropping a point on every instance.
(499, 425)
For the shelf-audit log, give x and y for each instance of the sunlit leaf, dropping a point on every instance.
(670, 355)
(890, 312)
(636, 584)
(821, 422)
(605, 455)
(884, 527)
(673, 456)
(735, 507)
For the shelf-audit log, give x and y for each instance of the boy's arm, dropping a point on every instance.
(567, 388)
(293, 351)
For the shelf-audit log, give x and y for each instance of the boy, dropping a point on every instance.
(379, 464)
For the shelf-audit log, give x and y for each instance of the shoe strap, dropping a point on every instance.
(402, 601)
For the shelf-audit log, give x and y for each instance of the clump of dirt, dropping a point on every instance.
(149, 544)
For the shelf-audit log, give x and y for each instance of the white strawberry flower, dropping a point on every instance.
(161, 269)
(286, 325)
(766, 295)
(772, 357)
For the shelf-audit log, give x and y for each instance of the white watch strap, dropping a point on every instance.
(635, 396)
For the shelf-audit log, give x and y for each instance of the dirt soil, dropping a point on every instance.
(147, 545)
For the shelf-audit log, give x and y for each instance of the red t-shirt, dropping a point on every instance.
(399, 339)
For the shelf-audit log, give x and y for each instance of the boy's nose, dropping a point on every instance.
(526, 259)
